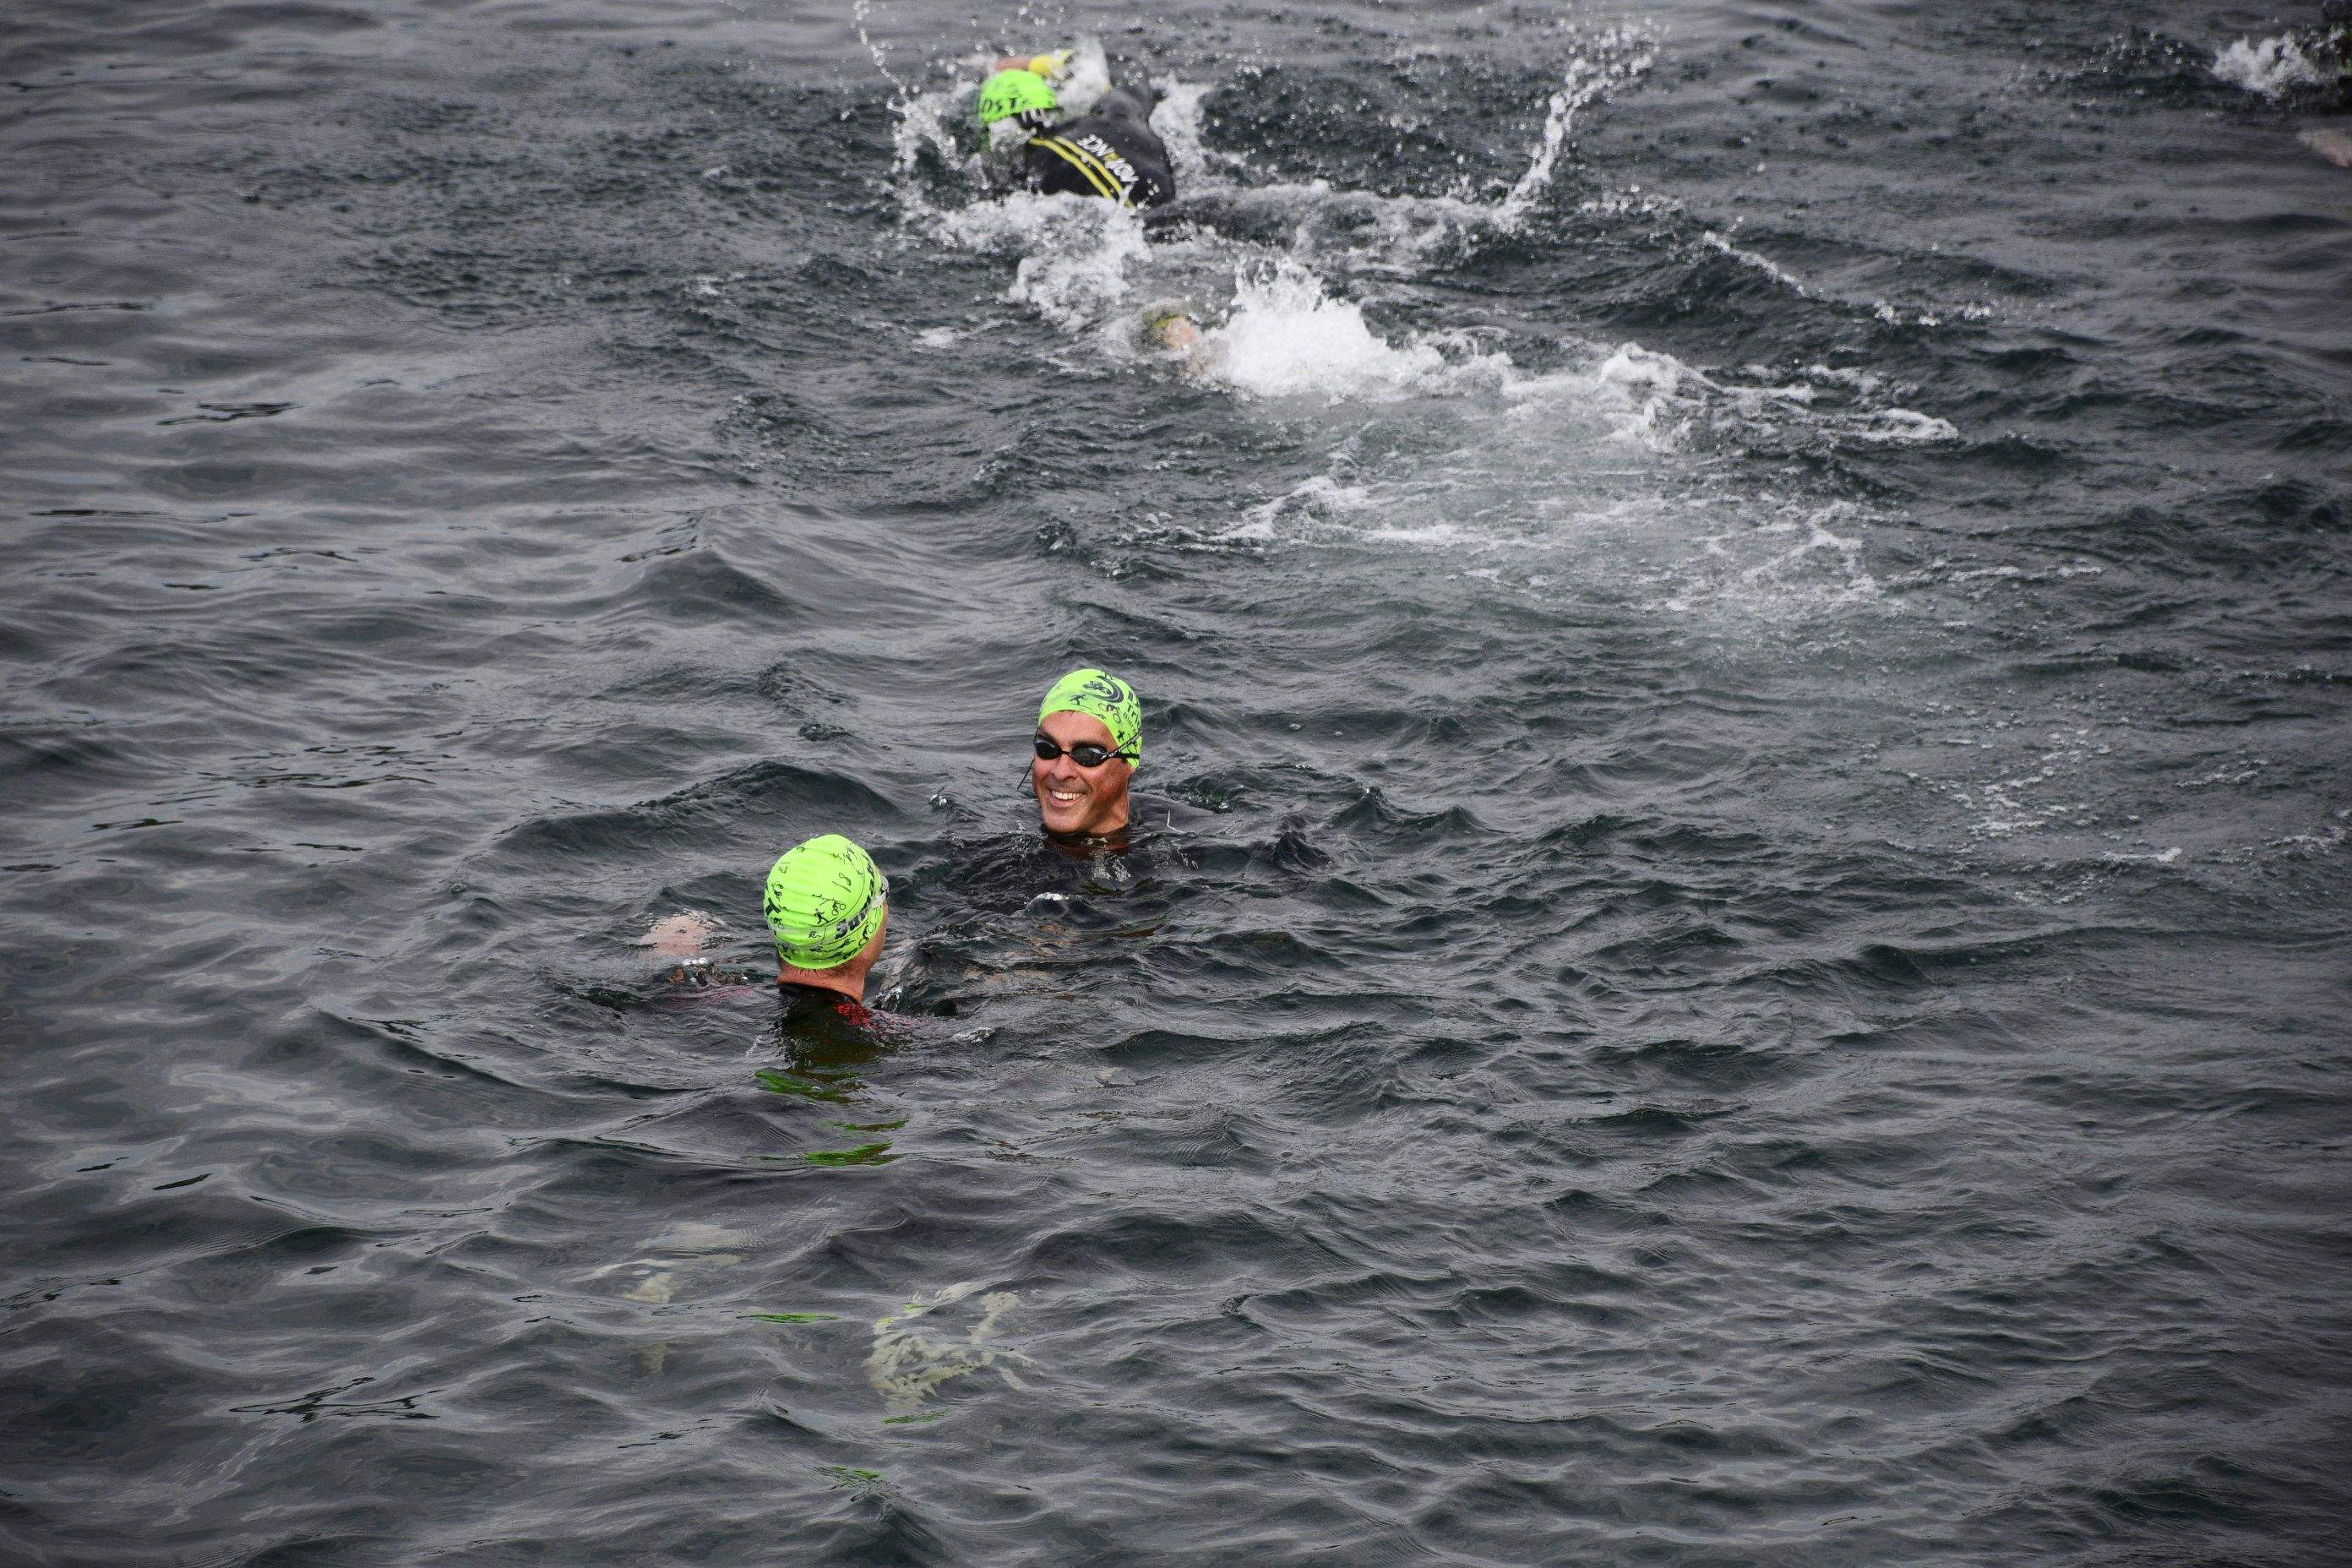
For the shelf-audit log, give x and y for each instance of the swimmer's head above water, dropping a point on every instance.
(1022, 98)
(1089, 741)
(828, 905)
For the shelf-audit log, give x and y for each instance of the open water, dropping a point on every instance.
(1747, 644)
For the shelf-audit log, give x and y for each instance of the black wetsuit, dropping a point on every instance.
(1110, 150)
(814, 1004)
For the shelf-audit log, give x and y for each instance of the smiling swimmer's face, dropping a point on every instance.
(1074, 800)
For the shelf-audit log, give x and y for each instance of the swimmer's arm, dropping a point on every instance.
(679, 939)
(708, 972)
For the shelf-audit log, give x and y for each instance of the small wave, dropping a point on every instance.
(1905, 426)
(1770, 268)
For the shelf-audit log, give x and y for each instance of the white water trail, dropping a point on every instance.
(1439, 440)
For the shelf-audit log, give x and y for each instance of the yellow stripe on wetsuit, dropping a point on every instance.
(1087, 164)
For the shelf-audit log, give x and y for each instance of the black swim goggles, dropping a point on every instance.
(1085, 754)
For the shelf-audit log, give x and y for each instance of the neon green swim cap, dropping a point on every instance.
(826, 900)
(1016, 92)
(1109, 699)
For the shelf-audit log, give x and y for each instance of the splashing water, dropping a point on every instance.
(1176, 119)
(1286, 336)
(1466, 452)
(1625, 53)
(860, 13)
(2269, 68)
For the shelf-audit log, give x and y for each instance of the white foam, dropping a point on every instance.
(1777, 568)
(1860, 381)
(1318, 499)
(1177, 118)
(1895, 318)
(1905, 426)
(1641, 394)
(1075, 255)
(1085, 285)
(1288, 337)
(2118, 857)
(2269, 68)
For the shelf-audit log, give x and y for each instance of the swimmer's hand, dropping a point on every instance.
(680, 935)
(2332, 145)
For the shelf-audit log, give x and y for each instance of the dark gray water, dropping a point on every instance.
(1746, 639)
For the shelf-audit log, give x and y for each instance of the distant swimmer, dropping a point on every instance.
(1088, 743)
(1110, 150)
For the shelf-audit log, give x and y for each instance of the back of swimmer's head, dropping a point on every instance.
(1020, 96)
(825, 901)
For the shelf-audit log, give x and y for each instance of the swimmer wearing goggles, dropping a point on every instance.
(1088, 743)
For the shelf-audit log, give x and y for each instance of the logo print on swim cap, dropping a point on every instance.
(1106, 697)
(824, 900)
(1017, 94)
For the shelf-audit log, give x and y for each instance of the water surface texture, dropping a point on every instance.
(1746, 636)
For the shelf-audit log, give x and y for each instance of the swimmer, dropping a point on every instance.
(1088, 743)
(828, 906)
(1170, 328)
(1110, 150)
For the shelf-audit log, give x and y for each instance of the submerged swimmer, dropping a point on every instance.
(1172, 328)
(1088, 743)
(1110, 150)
